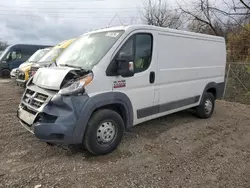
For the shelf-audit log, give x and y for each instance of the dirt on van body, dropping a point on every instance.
(173, 151)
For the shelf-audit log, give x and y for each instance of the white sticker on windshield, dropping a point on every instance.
(112, 34)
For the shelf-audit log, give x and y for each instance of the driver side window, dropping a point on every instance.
(14, 55)
(127, 50)
(18, 54)
(138, 49)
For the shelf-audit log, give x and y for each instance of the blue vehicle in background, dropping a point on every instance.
(15, 55)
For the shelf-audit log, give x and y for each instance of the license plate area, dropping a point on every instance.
(26, 117)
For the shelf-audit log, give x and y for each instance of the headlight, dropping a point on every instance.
(77, 86)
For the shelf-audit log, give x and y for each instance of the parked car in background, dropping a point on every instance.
(22, 73)
(33, 57)
(13, 71)
(15, 55)
(50, 57)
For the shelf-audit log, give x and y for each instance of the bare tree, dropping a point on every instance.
(205, 17)
(3, 45)
(201, 27)
(245, 4)
(202, 18)
(157, 13)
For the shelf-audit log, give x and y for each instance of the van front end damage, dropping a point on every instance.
(50, 116)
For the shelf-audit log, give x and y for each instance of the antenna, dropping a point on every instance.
(120, 19)
(116, 15)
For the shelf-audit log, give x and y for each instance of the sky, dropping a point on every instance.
(52, 21)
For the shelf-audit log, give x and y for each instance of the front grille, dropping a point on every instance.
(29, 110)
(34, 99)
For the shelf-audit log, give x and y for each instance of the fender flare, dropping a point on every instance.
(208, 86)
(219, 88)
(98, 101)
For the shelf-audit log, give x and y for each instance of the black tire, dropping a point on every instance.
(201, 111)
(90, 140)
(5, 73)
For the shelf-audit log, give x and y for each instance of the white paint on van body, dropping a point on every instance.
(183, 62)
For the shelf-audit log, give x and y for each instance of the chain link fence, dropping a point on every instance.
(237, 87)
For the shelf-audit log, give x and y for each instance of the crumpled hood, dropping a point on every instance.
(51, 78)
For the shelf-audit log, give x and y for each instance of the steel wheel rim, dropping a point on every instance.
(208, 106)
(106, 133)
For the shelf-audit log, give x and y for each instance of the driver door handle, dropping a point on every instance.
(152, 77)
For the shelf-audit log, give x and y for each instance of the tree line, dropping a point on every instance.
(226, 18)
(3, 45)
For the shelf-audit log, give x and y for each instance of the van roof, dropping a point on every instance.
(130, 28)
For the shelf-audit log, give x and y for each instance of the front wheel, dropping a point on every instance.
(104, 132)
(206, 108)
(5, 73)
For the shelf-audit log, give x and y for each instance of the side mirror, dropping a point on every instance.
(125, 68)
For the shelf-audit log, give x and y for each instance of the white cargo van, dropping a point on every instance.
(109, 80)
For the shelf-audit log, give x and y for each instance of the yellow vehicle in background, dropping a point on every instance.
(21, 74)
(50, 57)
(44, 61)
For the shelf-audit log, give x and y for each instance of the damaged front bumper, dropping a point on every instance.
(51, 117)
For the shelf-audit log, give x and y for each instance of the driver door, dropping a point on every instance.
(140, 88)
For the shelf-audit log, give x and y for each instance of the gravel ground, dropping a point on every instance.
(174, 151)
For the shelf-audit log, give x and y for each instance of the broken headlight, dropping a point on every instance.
(76, 86)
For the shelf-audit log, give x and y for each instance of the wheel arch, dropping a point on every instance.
(117, 107)
(116, 101)
(211, 86)
(215, 88)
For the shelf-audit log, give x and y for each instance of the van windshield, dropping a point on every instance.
(38, 55)
(4, 53)
(89, 49)
(51, 55)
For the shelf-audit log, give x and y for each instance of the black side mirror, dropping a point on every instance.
(125, 68)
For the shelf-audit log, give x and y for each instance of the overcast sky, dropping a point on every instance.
(52, 21)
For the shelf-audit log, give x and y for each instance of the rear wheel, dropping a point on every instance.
(206, 108)
(104, 132)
